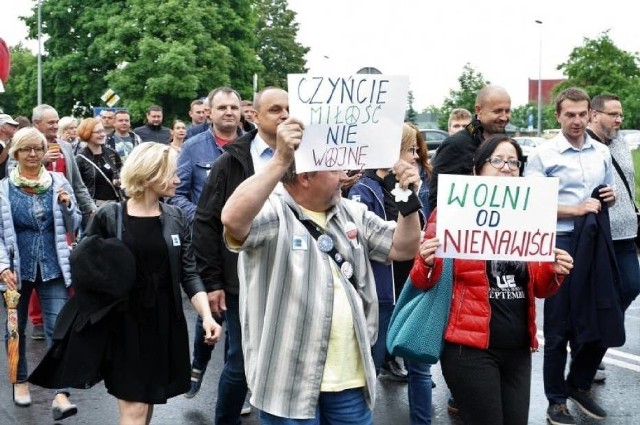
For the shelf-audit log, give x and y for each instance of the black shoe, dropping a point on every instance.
(586, 403)
(196, 381)
(395, 371)
(452, 406)
(59, 413)
(599, 377)
(37, 333)
(558, 414)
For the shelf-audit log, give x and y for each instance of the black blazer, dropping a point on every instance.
(594, 285)
(77, 353)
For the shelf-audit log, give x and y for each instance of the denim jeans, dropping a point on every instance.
(346, 407)
(627, 259)
(232, 386)
(201, 351)
(419, 391)
(53, 294)
(379, 349)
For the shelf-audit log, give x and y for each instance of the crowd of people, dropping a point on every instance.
(304, 269)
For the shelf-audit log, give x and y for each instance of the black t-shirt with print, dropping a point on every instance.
(508, 325)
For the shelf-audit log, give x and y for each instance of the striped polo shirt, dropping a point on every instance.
(286, 299)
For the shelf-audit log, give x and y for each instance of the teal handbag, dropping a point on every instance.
(420, 317)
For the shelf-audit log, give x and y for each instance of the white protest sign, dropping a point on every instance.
(497, 218)
(351, 122)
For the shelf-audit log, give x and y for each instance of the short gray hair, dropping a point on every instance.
(39, 111)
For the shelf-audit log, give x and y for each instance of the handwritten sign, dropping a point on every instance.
(497, 218)
(350, 122)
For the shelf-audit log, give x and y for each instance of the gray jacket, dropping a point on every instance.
(61, 214)
(85, 202)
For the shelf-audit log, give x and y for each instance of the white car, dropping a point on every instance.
(632, 137)
(529, 143)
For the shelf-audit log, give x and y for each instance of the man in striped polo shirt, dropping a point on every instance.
(308, 306)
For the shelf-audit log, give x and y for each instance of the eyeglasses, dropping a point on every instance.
(498, 163)
(27, 150)
(413, 150)
(613, 115)
(98, 132)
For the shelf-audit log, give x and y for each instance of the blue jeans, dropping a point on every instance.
(627, 259)
(379, 349)
(53, 294)
(201, 351)
(232, 386)
(346, 407)
(419, 390)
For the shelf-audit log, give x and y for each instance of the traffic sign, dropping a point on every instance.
(110, 97)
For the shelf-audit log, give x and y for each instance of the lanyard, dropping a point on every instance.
(326, 245)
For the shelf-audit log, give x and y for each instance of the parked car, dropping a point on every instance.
(632, 137)
(529, 143)
(433, 137)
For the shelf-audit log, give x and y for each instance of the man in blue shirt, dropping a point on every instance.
(581, 164)
(194, 164)
(200, 152)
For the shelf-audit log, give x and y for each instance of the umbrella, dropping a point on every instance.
(11, 298)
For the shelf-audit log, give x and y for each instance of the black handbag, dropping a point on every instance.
(626, 184)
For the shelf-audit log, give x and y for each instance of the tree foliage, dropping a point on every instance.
(471, 81)
(278, 50)
(600, 67)
(411, 114)
(21, 89)
(166, 53)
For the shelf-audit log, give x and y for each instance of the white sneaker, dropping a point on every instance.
(246, 409)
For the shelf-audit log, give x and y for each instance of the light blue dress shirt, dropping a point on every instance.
(261, 153)
(579, 170)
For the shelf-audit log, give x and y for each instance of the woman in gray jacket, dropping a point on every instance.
(38, 211)
(149, 349)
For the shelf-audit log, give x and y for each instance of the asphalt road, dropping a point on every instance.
(619, 395)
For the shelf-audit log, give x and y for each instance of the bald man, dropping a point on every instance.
(455, 155)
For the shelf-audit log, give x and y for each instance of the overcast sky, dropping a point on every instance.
(430, 41)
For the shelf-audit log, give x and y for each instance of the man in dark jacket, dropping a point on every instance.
(455, 155)
(216, 264)
(153, 130)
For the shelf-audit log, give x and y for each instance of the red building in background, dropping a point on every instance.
(547, 86)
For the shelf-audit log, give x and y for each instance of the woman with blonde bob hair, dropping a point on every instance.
(149, 361)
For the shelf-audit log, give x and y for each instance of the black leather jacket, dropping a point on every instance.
(181, 260)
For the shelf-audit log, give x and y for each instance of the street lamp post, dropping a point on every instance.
(539, 22)
(39, 53)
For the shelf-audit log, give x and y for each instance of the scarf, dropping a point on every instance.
(36, 187)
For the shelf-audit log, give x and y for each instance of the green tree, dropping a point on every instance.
(165, 53)
(471, 81)
(599, 66)
(411, 114)
(278, 50)
(21, 89)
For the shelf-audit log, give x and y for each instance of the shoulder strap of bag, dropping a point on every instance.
(102, 174)
(624, 180)
(119, 220)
